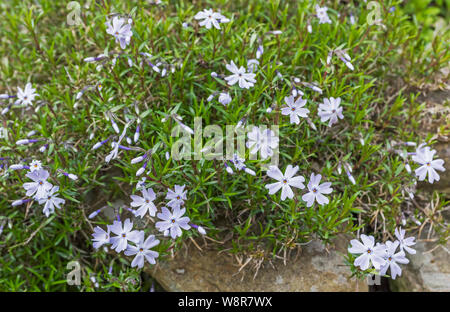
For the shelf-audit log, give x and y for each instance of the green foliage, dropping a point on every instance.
(38, 46)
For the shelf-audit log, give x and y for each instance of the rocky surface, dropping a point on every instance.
(315, 269)
(427, 271)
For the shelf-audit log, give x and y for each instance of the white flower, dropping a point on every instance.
(210, 18)
(369, 253)
(35, 165)
(120, 31)
(144, 203)
(294, 109)
(316, 191)
(330, 110)
(51, 201)
(142, 250)
(285, 181)
(392, 258)
(424, 156)
(224, 98)
(405, 243)
(172, 222)
(39, 187)
(177, 197)
(124, 234)
(322, 15)
(101, 237)
(26, 96)
(264, 141)
(246, 80)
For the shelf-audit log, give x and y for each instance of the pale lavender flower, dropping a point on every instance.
(330, 110)
(101, 237)
(142, 251)
(177, 197)
(285, 181)
(245, 80)
(368, 252)
(210, 18)
(144, 203)
(316, 191)
(124, 234)
(262, 140)
(26, 96)
(35, 165)
(321, 13)
(172, 222)
(224, 98)
(39, 187)
(392, 259)
(424, 156)
(294, 109)
(120, 31)
(51, 202)
(405, 243)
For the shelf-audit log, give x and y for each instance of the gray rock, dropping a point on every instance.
(427, 271)
(314, 269)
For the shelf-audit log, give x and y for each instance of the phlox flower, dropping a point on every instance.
(177, 197)
(262, 140)
(51, 202)
(424, 157)
(35, 165)
(405, 243)
(172, 222)
(26, 96)
(368, 252)
(285, 181)
(392, 259)
(142, 250)
(124, 234)
(101, 237)
(144, 203)
(39, 187)
(330, 110)
(245, 80)
(120, 30)
(294, 109)
(316, 191)
(321, 13)
(210, 18)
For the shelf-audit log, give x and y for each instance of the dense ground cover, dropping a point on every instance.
(91, 88)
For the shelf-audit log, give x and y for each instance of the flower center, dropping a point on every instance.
(178, 197)
(124, 235)
(314, 190)
(40, 182)
(141, 249)
(333, 111)
(293, 109)
(173, 220)
(369, 251)
(284, 181)
(49, 197)
(390, 258)
(428, 164)
(147, 201)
